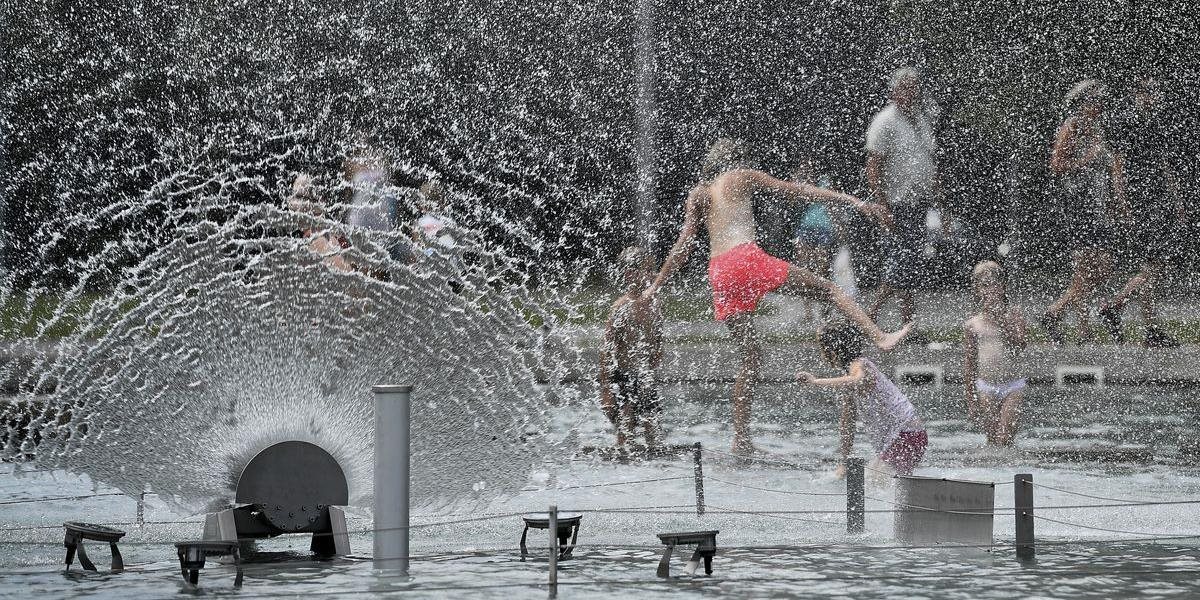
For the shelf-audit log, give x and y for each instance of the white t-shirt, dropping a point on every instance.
(909, 154)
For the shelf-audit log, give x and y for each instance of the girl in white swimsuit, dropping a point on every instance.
(991, 341)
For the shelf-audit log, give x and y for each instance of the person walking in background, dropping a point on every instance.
(991, 341)
(816, 237)
(1094, 193)
(1150, 165)
(902, 175)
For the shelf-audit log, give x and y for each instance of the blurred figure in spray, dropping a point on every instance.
(373, 203)
(902, 175)
(323, 242)
(1093, 184)
(991, 341)
(816, 237)
(367, 176)
(1150, 161)
(433, 229)
(632, 352)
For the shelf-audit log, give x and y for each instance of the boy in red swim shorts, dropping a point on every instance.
(741, 273)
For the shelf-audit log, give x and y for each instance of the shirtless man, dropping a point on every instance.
(741, 273)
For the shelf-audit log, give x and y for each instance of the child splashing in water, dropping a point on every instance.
(631, 353)
(991, 341)
(897, 435)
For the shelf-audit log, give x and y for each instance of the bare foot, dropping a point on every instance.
(891, 340)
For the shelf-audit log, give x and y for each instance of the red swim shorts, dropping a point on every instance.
(906, 451)
(741, 277)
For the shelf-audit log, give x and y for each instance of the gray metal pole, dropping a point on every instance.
(553, 550)
(697, 458)
(392, 414)
(855, 496)
(1023, 510)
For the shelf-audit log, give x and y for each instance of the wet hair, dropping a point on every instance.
(984, 269)
(902, 74)
(841, 343)
(1083, 92)
(725, 154)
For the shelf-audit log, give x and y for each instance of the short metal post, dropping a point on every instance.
(855, 496)
(553, 550)
(1023, 511)
(697, 458)
(392, 414)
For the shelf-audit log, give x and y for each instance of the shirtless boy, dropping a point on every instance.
(740, 273)
(632, 351)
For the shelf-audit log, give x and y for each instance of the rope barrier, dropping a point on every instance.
(950, 511)
(758, 459)
(763, 489)
(1081, 494)
(1004, 544)
(1082, 526)
(620, 483)
(722, 510)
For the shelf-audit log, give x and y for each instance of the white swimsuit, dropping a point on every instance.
(1000, 390)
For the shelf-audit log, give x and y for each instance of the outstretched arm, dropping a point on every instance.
(1062, 160)
(855, 375)
(804, 191)
(693, 210)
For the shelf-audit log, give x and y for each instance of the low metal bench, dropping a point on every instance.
(568, 533)
(77, 532)
(192, 555)
(706, 548)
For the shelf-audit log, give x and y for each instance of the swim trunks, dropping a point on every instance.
(906, 451)
(741, 276)
(630, 389)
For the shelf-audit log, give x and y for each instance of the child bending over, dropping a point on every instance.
(632, 351)
(897, 435)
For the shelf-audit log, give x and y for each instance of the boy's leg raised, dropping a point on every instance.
(803, 282)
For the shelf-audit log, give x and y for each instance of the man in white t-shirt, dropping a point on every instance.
(902, 174)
